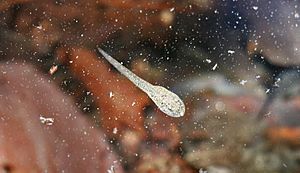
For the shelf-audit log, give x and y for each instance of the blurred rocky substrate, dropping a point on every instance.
(188, 46)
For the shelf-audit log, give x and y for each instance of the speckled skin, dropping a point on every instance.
(167, 101)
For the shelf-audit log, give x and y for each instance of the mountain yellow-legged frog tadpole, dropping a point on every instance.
(167, 101)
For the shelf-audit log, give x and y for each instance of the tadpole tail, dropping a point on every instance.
(136, 80)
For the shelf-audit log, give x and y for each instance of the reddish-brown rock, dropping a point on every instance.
(284, 135)
(159, 160)
(28, 143)
(120, 102)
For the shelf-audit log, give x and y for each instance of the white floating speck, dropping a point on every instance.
(111, 169)
(111, 94)
(208, 61)
(243, 82)
(231, 51)
(297, 15)
(46, 121)
(214, 67)
(255, 7)
(115, 130)
(257, 76)
(85, 108)
(268, 91)
(276, 83)
(53, 69)
(133, 103)
(39, 27)
(172, 9)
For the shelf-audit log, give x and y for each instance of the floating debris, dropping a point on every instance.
(214, 67)
(208, 61)
(243, 82)
(111, 94)
(112, 168)
(53, 69)
(231, 51)
(276, 83)
(115, 130)
(133, 103)
(46, 121)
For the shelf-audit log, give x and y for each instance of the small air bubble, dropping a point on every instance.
(220, 106)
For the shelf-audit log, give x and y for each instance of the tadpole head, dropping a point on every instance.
(167, 101)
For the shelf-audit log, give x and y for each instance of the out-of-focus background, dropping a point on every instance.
(235, 64)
